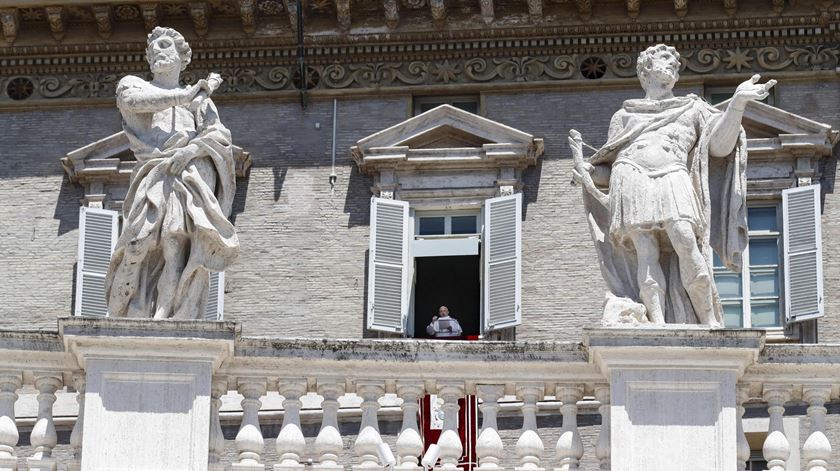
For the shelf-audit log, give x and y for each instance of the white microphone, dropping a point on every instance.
(431, 456)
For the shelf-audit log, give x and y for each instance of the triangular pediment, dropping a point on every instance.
(444, 126)
(447, 136)
(111, 159)
(766, 122)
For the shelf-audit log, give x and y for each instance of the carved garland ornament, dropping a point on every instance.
(454, 71)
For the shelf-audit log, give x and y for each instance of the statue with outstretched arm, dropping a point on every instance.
(674, 168)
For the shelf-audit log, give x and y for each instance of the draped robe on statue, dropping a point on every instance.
(192, 205)
(709, 192)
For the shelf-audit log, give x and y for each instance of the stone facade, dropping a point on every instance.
(304, 247)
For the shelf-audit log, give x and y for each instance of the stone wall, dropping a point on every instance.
(302, 272)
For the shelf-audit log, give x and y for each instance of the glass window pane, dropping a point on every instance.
(762, 219)
(764, 251)
(470, 106)
(464, 225)
(765, 314)
(733, 315)
(432, 226)
(728, 285)
(717, 262)
(764, 283)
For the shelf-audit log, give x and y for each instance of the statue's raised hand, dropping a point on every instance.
(582, 168)
(751, 90)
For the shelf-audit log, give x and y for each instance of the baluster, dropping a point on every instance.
(776, 446)
(43, 436)
(409, 443)
(489, 446)
(249, 439)
(449, 440)
(328, 443)
(290, 442)
(817, 449)
(78, 427)
(9, 384)
(602, 448)
(367, 442)
(742, 395)
(529, 446)
(569, 445)
(217, 439)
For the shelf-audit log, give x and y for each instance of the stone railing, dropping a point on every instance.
(98, 358)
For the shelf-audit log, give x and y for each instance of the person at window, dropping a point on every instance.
(444, 325)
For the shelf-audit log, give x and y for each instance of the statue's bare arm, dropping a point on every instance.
(135, 95)
(728, 126)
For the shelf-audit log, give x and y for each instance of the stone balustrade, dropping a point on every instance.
(556, 392)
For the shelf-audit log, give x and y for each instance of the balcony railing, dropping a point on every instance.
(336, 372)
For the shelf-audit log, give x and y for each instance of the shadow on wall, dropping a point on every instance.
(531, 178)
(279, 174)
(67, 204)
(357, 197)
(240, 197)
(828, 170)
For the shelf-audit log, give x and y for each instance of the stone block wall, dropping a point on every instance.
(302, 272)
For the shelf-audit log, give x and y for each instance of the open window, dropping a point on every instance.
(446, 222)
(780, 285)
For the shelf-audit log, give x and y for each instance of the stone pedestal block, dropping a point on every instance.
(147, 397)
(673, 394)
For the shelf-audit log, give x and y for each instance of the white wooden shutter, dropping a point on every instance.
(502, 251)
(802, 253)
(98, 232)
(214, 309)
(388, 265)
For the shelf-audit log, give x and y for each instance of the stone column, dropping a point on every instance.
(367, 442)
(569, 445)
(776, 446)
(290, 443)
(43, 436)
(218, 388)
(816, 452)
(328, 443)
(78, 427)
(602, 447)
(449, 440)
(742, 394)
(249, 440)
(409, 443)
(529, 446)
(489, 446)
(9, 384)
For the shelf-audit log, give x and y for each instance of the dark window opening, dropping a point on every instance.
(453, 282)
(426, 103)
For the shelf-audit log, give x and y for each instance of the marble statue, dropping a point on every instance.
(674, 168)
(175, 226)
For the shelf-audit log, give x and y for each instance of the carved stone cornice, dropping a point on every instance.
(246, 75)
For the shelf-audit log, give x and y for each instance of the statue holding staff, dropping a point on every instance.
(175, 226)
(675, 172)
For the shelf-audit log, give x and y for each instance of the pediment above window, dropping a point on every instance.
(104, 168)
(446, 158)
(784, 148)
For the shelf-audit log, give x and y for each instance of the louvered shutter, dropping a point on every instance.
(98, 232)
(214, 309)
(388, 266)
(802, 253)
(502, 253)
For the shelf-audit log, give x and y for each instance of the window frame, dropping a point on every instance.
(437, 100)
(447, 224)
(746, 298)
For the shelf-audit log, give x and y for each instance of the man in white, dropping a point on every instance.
(675, 169)
(444, 325)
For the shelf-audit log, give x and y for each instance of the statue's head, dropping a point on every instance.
(660, 64)
(167, 48)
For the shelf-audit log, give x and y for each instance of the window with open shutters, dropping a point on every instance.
(781, 278)
(447, 252)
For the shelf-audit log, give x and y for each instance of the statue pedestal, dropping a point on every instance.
(147, 397)
(672, 394)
